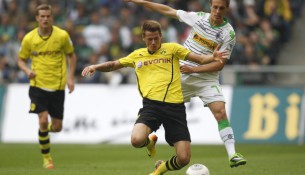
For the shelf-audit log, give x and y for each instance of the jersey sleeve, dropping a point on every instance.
(68, 45)
(180, 52)
(128, 60)
(229, 42)
(25, 51)
(189, 18)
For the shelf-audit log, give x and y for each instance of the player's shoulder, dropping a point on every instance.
(170, 44)
(139, 51)
(31, 34)
(59, 31)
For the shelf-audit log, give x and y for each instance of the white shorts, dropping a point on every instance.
(208, 92)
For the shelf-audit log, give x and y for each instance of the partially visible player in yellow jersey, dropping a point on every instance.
(48, 47)
(158, 77)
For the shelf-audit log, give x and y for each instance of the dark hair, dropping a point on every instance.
(227, 1)
(43, 7)
(151, 26)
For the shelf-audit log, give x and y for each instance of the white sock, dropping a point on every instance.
(227, 137)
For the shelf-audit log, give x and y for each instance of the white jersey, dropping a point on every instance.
(204, 38)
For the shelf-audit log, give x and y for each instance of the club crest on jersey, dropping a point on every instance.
(204, 42)
(163, 52)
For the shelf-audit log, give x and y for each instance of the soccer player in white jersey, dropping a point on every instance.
(208, 30)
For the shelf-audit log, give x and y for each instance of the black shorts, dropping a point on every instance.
(172, 116)
(42, 100)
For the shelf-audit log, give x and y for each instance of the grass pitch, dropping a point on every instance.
(25, 159)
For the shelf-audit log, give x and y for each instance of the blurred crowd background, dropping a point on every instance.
(103, 30)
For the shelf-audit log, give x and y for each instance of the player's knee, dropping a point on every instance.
(184, 159)
(136, 141)
(221, 115)
(56, 128)
(43, 123)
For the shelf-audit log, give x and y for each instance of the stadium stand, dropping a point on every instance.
(104, 30)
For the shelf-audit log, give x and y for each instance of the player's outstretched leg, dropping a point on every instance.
(162, 167)
(151, 147)
(160, 164)
(236, 160)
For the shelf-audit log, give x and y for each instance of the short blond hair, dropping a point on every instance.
(43, 7)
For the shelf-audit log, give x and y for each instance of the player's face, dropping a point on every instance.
(219, 9)
(44, 18)
(152, 40)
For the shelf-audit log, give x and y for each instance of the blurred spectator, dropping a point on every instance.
(169, 32)
(108, 29)
(96, 33)
(278, 12)
(7, 29)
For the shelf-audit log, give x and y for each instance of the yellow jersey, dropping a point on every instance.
(48, 57)
(158, 73)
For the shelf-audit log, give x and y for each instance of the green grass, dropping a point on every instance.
(25, 159)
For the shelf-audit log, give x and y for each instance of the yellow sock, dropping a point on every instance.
(50, 127)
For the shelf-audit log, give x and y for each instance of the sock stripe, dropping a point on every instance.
(223, 124)
(167, 165)
(45, 151)
(46, 146)
(43, 134)
(44, 138)
(177, 164)
(172, 164)
(44, 142)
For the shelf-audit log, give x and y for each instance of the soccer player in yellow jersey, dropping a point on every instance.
(158, 78)
(48, 47)
(208, 29)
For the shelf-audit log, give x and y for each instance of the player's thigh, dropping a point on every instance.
(189, 88)
(56, 123)
(56, 104)
(211, 93)
(39, 100)
(175, 124)
(140, 131)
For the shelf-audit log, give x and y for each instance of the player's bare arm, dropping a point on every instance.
(72, 65)
(103, 67)
(23, 66)
(160, 8)
(210, 67)
(218, 56)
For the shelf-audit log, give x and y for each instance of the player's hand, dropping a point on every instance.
(70, 85)
(186, 69)
(220, 55)
(88, 71)
(31, 74)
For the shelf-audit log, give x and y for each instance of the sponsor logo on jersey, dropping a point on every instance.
(139, 64)
(204, 42)
(157, 61)
(53, 53)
